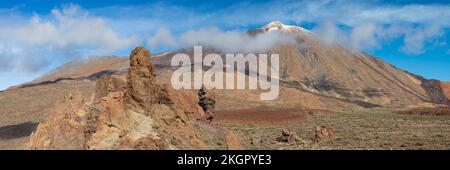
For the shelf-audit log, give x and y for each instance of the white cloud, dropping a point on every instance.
(17, 59)
(234, 41)
(66, 33)
(329, 33)
(71, 26)
(360, 37)
(414, 39)
(364, 36)
(162, 38)
(406, 13)
(372, 35)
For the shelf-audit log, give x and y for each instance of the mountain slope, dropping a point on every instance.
(332, 73)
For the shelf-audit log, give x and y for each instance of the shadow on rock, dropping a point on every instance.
(17, 131)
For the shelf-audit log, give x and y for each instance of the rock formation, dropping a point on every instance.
(137, 114)
(233, 142)
(322, 132)
(288, 136)
(142, 87)
(207, 102)
(446, 89)
(435, 91)
(106, 85)
(64, 129)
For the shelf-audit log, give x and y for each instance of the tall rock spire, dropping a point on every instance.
(142, 88)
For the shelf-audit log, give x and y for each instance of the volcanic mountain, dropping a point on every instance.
(313, 75)
(331, 77)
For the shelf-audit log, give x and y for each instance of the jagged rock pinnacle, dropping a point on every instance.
(207, 102)
(142, 87)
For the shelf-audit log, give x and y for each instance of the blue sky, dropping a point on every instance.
(37, 36)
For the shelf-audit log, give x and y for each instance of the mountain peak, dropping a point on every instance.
(278, 25)
(274, 24)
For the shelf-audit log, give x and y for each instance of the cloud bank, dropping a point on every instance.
(68, 32)
(234, 41)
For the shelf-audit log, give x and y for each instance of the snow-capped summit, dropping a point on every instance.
(277, 25)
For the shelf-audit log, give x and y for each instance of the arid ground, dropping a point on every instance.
(371, 129)
(258, 129)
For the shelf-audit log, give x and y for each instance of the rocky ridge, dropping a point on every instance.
(137, 114)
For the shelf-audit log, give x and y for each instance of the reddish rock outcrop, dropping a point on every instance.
(446, 89)
(64, 129)
(322, 132)
(146, 115)
(187, 101)
(233, 142)
(142, 87)
(137, 114)
(106, 85)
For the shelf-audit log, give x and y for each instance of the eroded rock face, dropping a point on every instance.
(435, 91)
(208, 104)
(446, 89)
(106, 85)
(64, 129)
(137, 114)
(323, 132)
(142, 87)
(106, 112)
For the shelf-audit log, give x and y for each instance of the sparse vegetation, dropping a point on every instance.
(371, 129)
